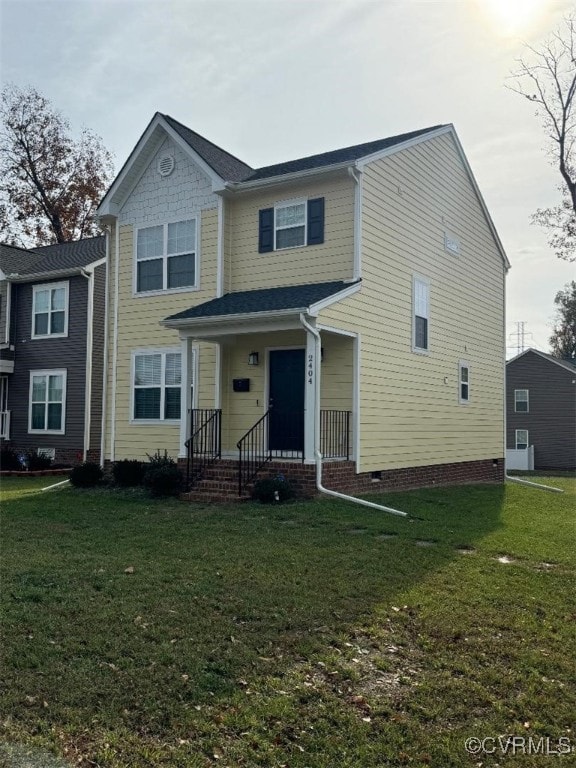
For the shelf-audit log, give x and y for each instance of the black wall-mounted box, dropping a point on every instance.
(241, 385)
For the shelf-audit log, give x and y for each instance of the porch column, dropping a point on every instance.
(186, 397)
(310, 397)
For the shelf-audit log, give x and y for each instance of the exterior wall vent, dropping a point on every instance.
(166, 165)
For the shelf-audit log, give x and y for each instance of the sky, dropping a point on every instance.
(273, 80)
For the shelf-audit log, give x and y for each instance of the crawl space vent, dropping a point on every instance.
(166, 165)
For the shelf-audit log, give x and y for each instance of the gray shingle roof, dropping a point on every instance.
(263, 300)
(79, 253)
(230, 168)
(569, 364)
(14, 259)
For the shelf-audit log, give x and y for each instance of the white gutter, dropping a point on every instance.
(52, 274)
(105, 353)
(317, 453)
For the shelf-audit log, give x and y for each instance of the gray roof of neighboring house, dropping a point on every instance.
(230, 168)
(293, 297)
(52, 258)
(14, 259)
(570, 365)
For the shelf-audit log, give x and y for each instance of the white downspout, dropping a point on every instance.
(108, 231)
(356, 175)
(317, 453)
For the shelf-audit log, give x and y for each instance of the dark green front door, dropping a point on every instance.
(286, 400)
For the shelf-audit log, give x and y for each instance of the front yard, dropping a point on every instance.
(143, 633)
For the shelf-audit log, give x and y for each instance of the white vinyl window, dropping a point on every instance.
(47, 405)
(521, 439)
(157, 385)
(167, 256)
(521, 401)
(50, 310)
(421, 314)
(463, 382)
(290, 224)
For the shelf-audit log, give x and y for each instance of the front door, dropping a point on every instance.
(286, 400)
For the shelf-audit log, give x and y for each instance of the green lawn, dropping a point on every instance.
(320, 634)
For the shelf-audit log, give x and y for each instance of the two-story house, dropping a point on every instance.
(541, 411)
(52, 324)
(350, 303)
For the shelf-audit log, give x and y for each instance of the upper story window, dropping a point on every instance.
(157, 383)
(291, 224)
(47, 403)
(464, 382)
(50, 310)
(421, 314)
(166, 256)
(521, 401)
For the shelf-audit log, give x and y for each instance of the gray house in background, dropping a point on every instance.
(541, 408)
(52, 306)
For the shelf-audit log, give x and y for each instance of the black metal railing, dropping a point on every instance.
(204, 446)
(253, 452)
(335, 434)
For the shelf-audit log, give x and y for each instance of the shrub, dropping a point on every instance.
(160, 460)
(128, 472)
(86, 475)
(37, 461)
(9, 461)
(272, 490)
(163, 479)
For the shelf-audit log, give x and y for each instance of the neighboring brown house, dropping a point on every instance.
(541, 408)
(52, 345)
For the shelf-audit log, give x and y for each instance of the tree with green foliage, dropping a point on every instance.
(563, 339)
(547, 79)
(50, 183)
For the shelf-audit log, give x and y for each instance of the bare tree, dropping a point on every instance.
(547, 78)
(50, 184)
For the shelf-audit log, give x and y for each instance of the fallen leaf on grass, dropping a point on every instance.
(130, 569)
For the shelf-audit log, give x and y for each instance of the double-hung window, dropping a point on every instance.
(166, 256)
(521, 439)
(289, 224)
(421, 314)
(47, 401)
(521, 401)
(157, 385)
(463, 382)
(50, 310)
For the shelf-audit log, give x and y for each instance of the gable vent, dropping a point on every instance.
(166, 165)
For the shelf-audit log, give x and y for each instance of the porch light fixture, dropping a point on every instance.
(253, 358)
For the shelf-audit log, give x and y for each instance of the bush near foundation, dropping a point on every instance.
(128, 472)
(273, 490)
(86, 475)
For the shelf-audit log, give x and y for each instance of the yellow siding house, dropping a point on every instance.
(345, 308)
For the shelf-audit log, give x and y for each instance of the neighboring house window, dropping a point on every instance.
(521, 439)
(166, 256)
(464, 382)
(50, 310)
(291, 224)
(421, 317)
(157, 379)
(47, 401)
(521, 401)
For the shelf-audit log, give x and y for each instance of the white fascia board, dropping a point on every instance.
(54, 274)
(334, 298)
(245, 186)
(232, 320)
(336, 331)
(403, 145)
(148, 144)
(93, 264)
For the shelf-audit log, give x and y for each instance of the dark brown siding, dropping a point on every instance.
(40, 354)
(97, 357)
(551, 420)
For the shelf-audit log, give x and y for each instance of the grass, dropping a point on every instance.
(320, 634)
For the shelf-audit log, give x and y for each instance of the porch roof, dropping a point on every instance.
(265, 301)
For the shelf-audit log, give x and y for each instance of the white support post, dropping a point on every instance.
(186, 399)
(310, 403)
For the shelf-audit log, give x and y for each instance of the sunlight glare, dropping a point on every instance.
(514, 17)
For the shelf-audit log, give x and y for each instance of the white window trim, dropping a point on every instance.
(45, 287)
(164, 223)
(284, 204)
(48, 372)
(463, 364)
(426, 281)
(516, 439)
(527, 401)
(154, 351)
